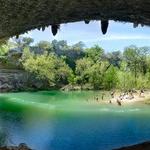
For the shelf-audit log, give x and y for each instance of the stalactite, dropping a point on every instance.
(135, 24)
(17, 36)
(55, 29)
(87, 21)
(43, 28)
(104, 26)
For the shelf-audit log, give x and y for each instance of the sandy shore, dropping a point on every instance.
(113, 101)
(136, 98)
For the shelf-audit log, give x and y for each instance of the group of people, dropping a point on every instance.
(128, 95)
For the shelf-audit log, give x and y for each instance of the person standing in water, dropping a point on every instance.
(97, 99)
(103, 94)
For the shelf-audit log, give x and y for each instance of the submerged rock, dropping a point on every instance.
(21, 146)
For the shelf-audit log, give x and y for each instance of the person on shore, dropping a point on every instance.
(131, 95)
(97, 99)
(103, 94)
(121, 97)
(112, 94)
(119, 102)
(141, 93)
(127, 95)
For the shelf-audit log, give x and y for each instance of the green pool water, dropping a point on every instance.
(53, 100)
(60, 120)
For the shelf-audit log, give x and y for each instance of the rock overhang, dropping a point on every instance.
(20, 16)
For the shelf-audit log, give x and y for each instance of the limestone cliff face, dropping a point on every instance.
(14, 78)
(19, 16)
(19, 80)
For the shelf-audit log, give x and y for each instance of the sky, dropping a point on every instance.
(119, 35)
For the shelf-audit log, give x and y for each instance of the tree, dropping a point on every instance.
(78, 46)
(114, 58)
(131, 55)
(22, 42)
(136, 59)
(45, 46)
(97, 73)
(95, 53)
(59, 46)
(60, 64)
(111, 78)
(27, 41)
(83, 67)
(3, 49)
(47, 67)
(143, 56)
(71, 53)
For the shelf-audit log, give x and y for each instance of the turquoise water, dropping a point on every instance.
(70, 121)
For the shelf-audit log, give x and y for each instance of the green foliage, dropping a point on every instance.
(26, 41)
(45, 45)
(47, 67)
(111, 78)
(4, 49)
(83, 67)
(125, 80)
(95, 53)
(97, 73)
(136, 59)
(114, 58)
(22, 42)
(72, 53)
(60, 64)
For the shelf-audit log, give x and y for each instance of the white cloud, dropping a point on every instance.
(117, 37)
(125, 37)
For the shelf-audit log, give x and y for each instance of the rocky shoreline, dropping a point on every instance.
(21, 146)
